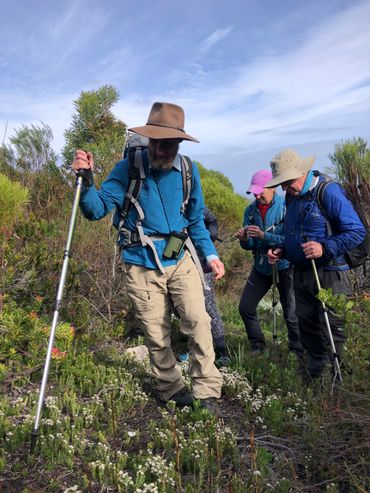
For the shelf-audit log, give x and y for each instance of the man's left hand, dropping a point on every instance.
(217, 267)
(312, 249)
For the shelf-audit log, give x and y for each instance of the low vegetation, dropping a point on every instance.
(103, 429)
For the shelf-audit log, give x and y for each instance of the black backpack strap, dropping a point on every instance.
(136, 174)
(319, 195)
(321, 187)
(186, 173)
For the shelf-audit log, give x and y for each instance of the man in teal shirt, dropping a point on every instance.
(154, 279)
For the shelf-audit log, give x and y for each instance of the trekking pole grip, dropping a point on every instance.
(86, 175)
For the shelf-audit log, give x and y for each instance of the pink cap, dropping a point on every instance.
(259, 180)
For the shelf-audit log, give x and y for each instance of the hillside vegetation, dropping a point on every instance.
(103, 428)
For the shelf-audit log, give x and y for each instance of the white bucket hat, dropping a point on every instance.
(288, 165)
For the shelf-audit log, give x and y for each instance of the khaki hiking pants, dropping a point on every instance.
(152, 292)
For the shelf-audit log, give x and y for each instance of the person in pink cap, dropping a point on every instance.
(263, 229)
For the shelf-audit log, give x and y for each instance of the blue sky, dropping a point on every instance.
(253, 76)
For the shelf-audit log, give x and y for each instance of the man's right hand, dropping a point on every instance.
(82, 160)
(242, 234)
(274, 255)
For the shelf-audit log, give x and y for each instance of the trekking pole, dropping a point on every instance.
(336, 365)
(274, 302)
(63, 275)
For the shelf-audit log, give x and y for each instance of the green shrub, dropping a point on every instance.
(25, 336)
(13, 198)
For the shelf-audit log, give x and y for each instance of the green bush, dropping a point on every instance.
(25, 335)
(94, 128)
(13, 198)
(220, 198)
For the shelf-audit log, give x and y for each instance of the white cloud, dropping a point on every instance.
(320, 84)
(214, 38)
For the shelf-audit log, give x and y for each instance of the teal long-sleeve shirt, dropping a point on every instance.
(161, 197)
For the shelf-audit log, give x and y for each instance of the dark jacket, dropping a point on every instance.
(304, 221)
(211, 224)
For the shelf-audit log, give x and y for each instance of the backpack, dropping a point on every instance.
(135, 145)
(360, 253)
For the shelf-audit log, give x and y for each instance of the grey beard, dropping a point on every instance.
(162, 165)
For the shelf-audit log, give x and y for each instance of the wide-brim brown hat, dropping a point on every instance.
(288, 165)
(165, 121)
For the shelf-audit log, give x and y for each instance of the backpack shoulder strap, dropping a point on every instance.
(321, 187)
(319, 195)
(136, 174)
(186, 173)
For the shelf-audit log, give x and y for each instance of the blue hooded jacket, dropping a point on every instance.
(272, 226)
(304, 221)
(161, 197)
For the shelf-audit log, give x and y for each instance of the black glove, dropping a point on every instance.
(87, 177)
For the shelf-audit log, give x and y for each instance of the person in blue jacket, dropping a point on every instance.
(307, 237)
(159, 272)
(262, 229)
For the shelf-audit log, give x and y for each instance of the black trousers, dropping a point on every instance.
(314, 333)
(255, 289)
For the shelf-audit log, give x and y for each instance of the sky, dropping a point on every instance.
(253, 76)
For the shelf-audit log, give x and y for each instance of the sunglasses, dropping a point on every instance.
(164, 143)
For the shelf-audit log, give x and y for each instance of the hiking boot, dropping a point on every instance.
(210, 404)
(183, 398)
